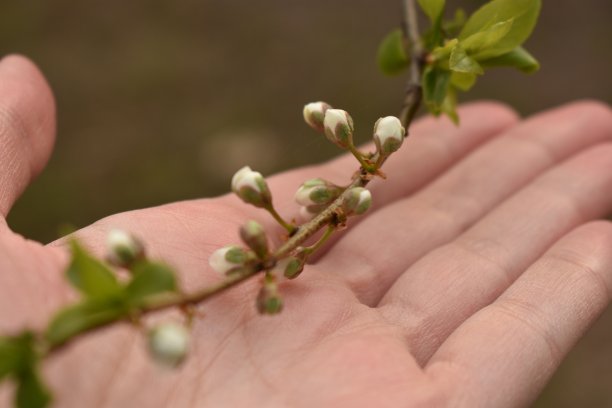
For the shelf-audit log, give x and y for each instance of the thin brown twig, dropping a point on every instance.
(327, 217)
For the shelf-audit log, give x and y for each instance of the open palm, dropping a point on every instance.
(476, 271)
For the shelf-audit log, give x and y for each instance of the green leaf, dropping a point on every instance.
(461, 62)
(83, 316)
(392, 58)
(453, 27)
(436, 83)
(91, 276)
(484, 40)
(15, 353)
(31, 392)
(433, 8)
(463, 81)
(524, 13)
(518, 58)
(449, 106)
(149, 279)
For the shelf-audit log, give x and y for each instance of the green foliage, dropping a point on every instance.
(150, 278)
(460, 61)
(83, 316)
(392, 58)
(19, 360)
(436, 84)
(518, 58)
(524, 14)
(433, 8)
(458, 51)
(31, 392)
(106, 299)
(92, 277)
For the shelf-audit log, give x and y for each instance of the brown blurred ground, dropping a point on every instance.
(151, 92)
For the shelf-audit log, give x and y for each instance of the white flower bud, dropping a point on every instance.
(251, 187)
(254, 235)
(339, 127)
(123, 248)
(307, 213)
(169, 344)
(316, 192)
(314, 114)
(227, 259)
(388, 134)
(358, 201)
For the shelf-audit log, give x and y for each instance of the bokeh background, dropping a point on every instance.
(162, 100)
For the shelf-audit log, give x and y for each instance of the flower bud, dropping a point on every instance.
(339, 127)
(388, 135)
(308, 212)
(317, 192)
(357, 201)
(123, 248)
(290, 267)
(314, 114)
(228, 259)
(254, 235)
(251, 187)
(169, 344)
(268, 299)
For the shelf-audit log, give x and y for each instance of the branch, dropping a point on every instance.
(329, 216)
(412, 100)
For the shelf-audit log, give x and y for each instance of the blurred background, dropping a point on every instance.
(163, 100)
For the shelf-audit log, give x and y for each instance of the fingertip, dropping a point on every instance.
(27, 102)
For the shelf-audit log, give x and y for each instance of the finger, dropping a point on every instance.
(504, 354)
(27, 127)
(451, 283)
(441, 211)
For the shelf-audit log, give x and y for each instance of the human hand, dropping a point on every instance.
(476, 271)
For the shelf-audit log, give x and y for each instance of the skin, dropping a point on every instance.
(464, 286)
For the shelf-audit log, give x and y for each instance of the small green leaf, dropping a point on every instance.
(461, 62)
(518, 58)
(91, 276)
(524, 13)
(449, 106)
(433, 8)
(15, 353)
(149, 279)
(484, 40)
(436, 83)
(453, 27)
(31, 392)
(83, 316)
(392, 58)
(463, 81)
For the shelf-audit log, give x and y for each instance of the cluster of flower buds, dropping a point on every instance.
(314, 195)
(123, 248)
(169, 344)
(338, 127)
(335, 123)
(251, 187)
